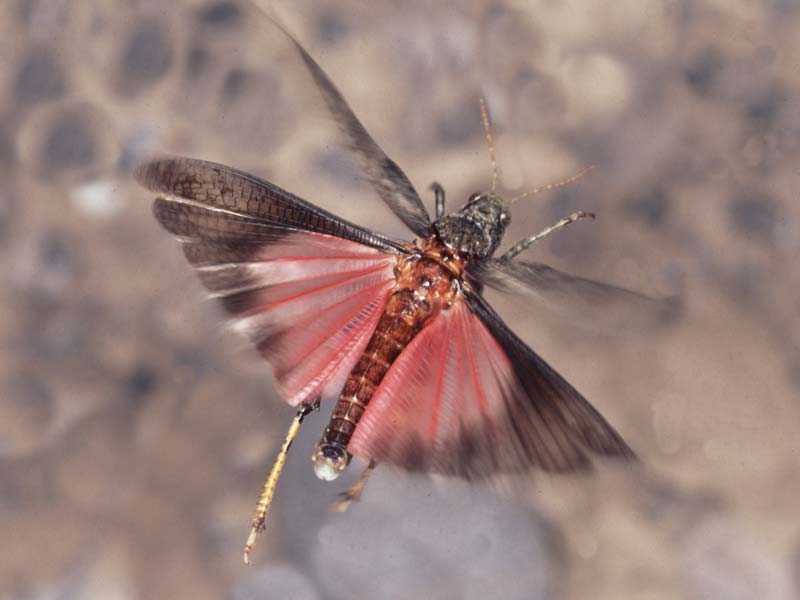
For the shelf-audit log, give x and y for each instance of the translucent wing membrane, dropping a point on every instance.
(309, 300)
(468, 398)
(309, 314)
(574, 295)
(386, 177)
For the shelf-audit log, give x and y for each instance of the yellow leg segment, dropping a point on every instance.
(348, 497)
(260, 518)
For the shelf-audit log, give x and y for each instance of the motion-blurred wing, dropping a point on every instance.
(309, 300)
(386, 177)
(576, 295)
(468, 398)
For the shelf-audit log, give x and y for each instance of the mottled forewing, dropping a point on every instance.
(215, 190)
(306, 287)
(468, 398)
(383, 173)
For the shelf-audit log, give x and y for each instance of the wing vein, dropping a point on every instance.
(439, 385)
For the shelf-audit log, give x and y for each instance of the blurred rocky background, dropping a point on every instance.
(135, 431)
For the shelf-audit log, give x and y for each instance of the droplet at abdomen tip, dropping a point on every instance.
(329, 461)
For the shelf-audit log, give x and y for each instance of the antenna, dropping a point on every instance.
(487, 129)
(552, 186)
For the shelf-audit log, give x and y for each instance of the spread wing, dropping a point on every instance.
(305, 286)
(575, 295)
(215, 189)
(386, 177)
(469, 398)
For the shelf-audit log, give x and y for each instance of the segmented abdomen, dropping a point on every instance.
(402, 319)
(425, 285)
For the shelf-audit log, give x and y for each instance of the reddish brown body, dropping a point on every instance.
(426, 284)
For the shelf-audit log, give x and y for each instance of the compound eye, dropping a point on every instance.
(504, 218)
(473, 198)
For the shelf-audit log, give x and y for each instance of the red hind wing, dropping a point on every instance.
(458, 401)
(306, 286)
(309, 303)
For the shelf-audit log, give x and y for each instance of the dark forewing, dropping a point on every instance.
(383, 173)
(205, 194)
(568, 292)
